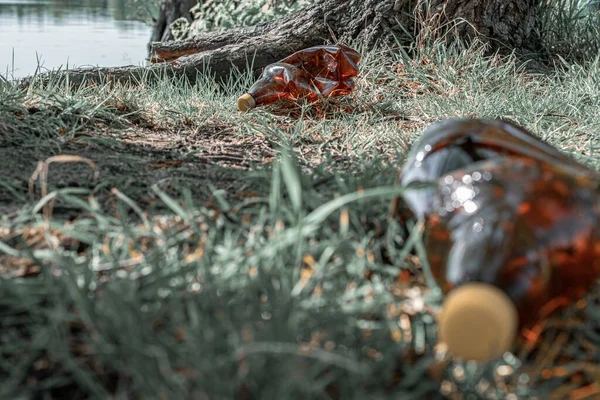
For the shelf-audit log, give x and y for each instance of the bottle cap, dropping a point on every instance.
(246, 102)
(478, 322)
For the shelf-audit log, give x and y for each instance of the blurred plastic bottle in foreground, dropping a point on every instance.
(512, 229)
(310, 73)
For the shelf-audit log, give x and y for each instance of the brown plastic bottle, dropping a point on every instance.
(310, 73)
(512, 230)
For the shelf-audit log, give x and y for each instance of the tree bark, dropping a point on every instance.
(504, 24)
(127, 75)
(508, 24)
(171, 10)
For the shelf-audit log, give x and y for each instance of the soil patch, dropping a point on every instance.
(136, 159)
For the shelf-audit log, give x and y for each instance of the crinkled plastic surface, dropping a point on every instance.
(507, 209)
(308, 74)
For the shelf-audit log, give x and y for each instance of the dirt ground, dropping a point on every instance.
(136, 159)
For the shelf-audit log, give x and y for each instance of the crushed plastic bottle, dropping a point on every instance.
(512, 229)
(310, 73)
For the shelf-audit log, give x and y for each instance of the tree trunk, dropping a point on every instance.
(504, 24)
(171, 10)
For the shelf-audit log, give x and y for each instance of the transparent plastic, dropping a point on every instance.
(307, 74)
(506, 209)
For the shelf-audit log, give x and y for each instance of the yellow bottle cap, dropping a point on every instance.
(478, 322)
(246, 102)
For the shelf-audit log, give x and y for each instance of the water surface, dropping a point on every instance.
(70, 32)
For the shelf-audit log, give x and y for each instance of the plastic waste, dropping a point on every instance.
(310, 73)
(512, 229)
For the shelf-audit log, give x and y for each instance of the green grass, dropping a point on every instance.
(187, 271)
(570, 28)
(217, 16)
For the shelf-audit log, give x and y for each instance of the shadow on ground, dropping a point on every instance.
(134, 160)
